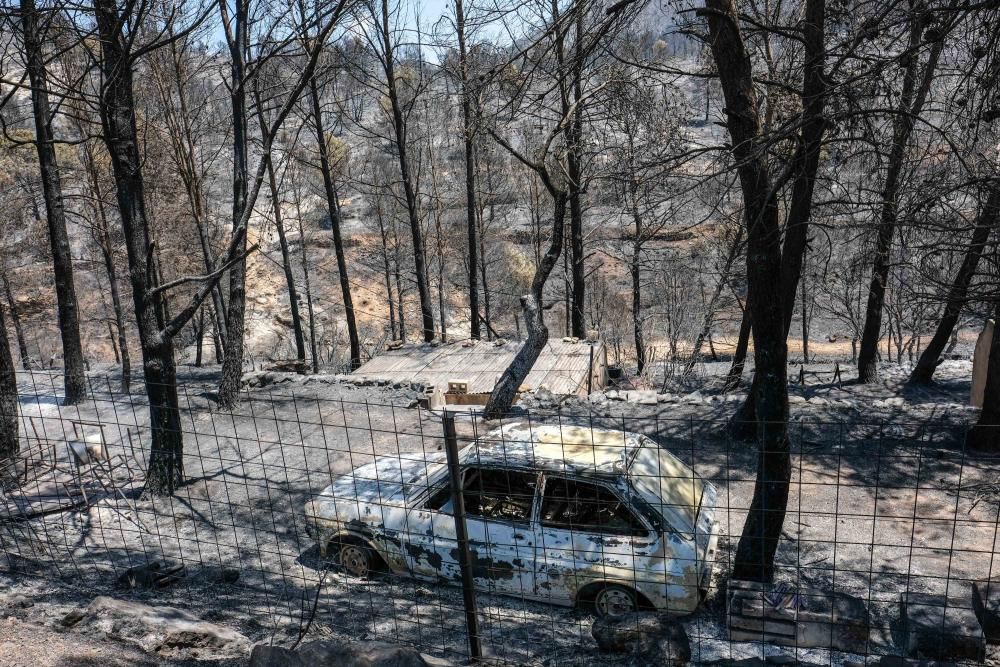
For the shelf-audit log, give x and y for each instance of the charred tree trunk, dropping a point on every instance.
(755, 552)
(107, 255)
(958, 294)
(199, 339)
(513, 376)
(166, 463)
(308, 287)
(232, 362)
(333, 210)
(15, 318)
(387, 269)
(575, 172)
(75, 379)
(806, 164)
(713, 304)
(399, 126)
(286, 258)
(911, 103)
(470, 172)
(9, 440)
(637, 321)
(735, 374)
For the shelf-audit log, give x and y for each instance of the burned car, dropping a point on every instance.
(561, 514)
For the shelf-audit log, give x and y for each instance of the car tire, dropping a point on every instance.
(614, 601)
(356, 559)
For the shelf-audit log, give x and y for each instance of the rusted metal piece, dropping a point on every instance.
(652, 534)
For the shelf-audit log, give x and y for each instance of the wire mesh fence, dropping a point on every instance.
(303, 515)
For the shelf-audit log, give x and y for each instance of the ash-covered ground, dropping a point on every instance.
(883, 500)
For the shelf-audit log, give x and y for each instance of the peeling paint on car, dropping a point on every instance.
(385, 503)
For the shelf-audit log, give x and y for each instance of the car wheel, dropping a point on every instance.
(356, 559)
(615, 601)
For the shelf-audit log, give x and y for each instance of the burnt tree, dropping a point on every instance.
(9, 443)
(75, 378)
(333, 210)
(759, 540)
(958, 294)
(911, 101)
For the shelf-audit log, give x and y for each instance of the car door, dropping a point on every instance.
(500, 507)
(586, 533)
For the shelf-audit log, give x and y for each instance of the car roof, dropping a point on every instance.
(556, 447)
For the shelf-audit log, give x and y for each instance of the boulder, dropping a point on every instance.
(654, 638)
(986, 606)
(934, 626)
(323, 653)
(642, 397)
(166, 631)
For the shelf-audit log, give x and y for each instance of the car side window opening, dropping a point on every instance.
(491, 493)
(585, 507)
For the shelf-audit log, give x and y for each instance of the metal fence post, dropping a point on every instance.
(462, 536)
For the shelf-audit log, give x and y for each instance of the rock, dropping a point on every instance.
(816, 400)
(665, 398)
(642, 397)
(693, 398)
(167, 631)
(20, 601)
(656, 638)
(895, 402)
(613, 395)
(792, 400)
(934, 626)
(986, 606)
(324, 652)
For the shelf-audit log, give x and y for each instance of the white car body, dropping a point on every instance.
(650, 530)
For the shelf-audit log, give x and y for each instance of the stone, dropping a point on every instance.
(934, 626)
(665, 398)
(693, 398)
(986, 606)
(655, 638)
(645, 397)
(166, 631)
(323, 653)
(793, 400)
(20, 602)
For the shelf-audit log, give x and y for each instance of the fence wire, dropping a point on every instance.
(307, 516)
